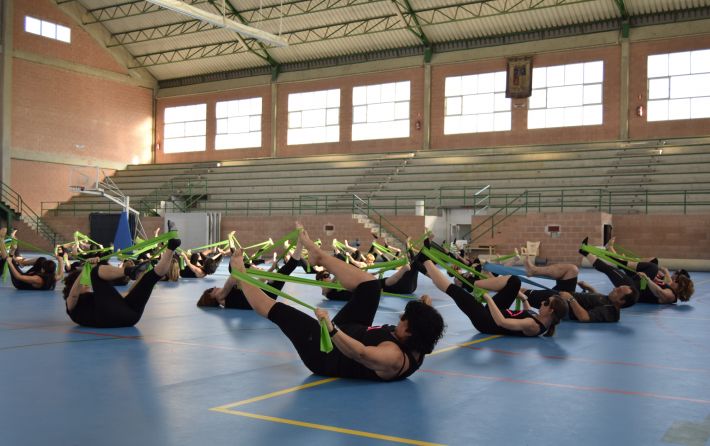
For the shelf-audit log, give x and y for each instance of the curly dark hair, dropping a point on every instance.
(685, 288)
(425, 325)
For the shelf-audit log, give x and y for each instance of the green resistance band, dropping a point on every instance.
(605, 255)
(505, 257)
(477, 292)
(255, 272)
(79, 236)
(142, 246)
(326, 344)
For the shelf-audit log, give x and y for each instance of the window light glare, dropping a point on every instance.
(47, 29)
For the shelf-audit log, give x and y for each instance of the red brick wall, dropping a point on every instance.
(519, 134)
(666, 236)
(54, 110)
(66, 225)
(414, 142)
(27, 234)
(211, 100)
(83, 50)
(519, 229)
(346, 84)
(69, 116)
(639, 128)
(39, 182)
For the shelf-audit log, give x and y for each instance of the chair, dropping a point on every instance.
(532, 249)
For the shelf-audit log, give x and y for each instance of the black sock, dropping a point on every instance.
(582, 250)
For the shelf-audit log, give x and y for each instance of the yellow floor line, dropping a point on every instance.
(465, 344)
(227, 408)
(326, 428)
(274, 394)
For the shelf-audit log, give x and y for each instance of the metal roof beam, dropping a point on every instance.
(622, 9)
(430, 16)
(126, 9)
(100, 34)
(404, 7)
(256, 47)
(289, 8)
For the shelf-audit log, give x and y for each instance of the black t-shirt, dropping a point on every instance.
(598, 306)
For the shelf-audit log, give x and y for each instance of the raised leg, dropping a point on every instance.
(348, 276)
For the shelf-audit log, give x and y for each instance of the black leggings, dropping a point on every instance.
(618, 278)
(304, 331)
(112, 309)
(536, 297)
(406, 284)
(236, 298)
(479, 315)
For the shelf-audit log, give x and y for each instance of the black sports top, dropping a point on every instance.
(370, 337)
(525, 314)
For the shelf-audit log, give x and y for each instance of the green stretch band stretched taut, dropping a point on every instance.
(79, 236)
(303, 281)
(477, 292)
(326, 344)
(144, 245)
(32, 247)
(604, 255)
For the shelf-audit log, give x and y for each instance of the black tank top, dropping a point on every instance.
(371, 337)
(525, 314)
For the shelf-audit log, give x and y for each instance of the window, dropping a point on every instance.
(679, 86)
(47, 29)
(238, 124)
(566, 95)
(314, 117)
(185, 129)
(476, 103)
(381, 111)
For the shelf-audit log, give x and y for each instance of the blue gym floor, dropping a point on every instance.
(188, 376)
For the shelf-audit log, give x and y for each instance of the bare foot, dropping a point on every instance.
(426, 299)
(237, 260)
(314, 251)
(529, 268)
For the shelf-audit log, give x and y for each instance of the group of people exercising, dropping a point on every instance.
(384, 353)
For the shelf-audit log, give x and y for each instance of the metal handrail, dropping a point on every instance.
(364, 207)
(559, 200)
(491, 218)
(15, 201)
(170, 188)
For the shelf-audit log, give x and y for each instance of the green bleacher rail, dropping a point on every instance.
(596, 199)
(558, 200)
(16, 203)
(191, 189)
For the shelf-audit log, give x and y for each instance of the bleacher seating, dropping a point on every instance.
(394, 182)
